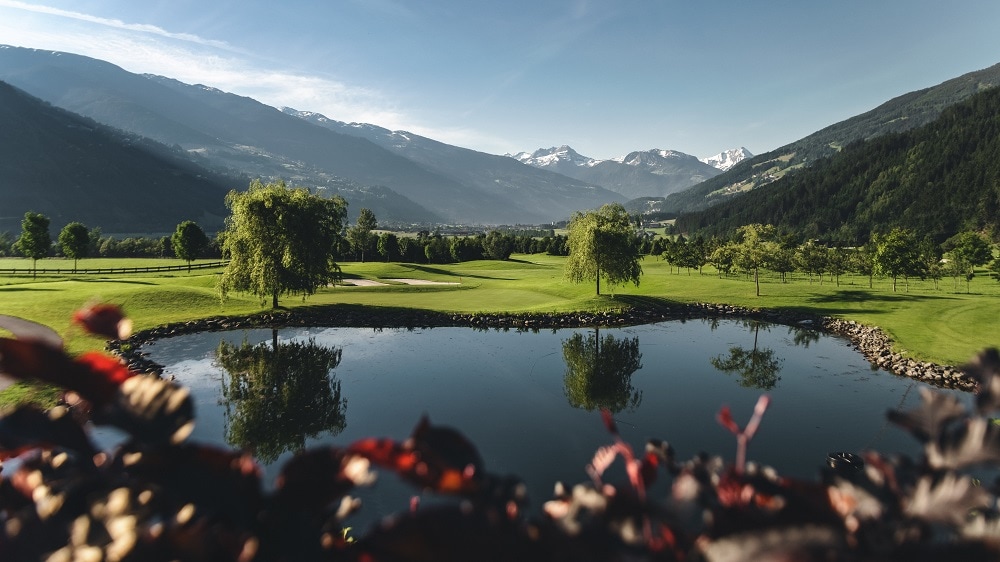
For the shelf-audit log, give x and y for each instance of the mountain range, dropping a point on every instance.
(649, 173)
(238, 134)
(404, 178)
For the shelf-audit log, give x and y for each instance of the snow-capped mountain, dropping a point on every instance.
(535, 192)
(649, 173)
(728, 159)
(552, 156)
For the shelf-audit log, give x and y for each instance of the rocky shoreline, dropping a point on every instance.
(870, 341)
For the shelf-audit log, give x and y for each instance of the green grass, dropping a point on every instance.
(928, 323)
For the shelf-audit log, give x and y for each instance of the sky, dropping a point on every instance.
(605, 77)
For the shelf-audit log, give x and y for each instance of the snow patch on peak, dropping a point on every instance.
(554, 156)
(652, 156)
(728, 159)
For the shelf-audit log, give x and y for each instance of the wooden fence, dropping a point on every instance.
(111, 270)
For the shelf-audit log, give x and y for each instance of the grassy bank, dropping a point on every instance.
(940, 324)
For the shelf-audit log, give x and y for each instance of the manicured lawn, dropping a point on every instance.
(938, 324)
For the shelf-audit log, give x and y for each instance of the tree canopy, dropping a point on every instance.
(188, 241)
(74, 240)
(280, 240)
(896, 254)
(35, 240)
(755, 248)
(360, 235)
(603, 243)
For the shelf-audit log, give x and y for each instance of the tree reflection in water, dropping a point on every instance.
(757, 367)
(278, 395)
(599, 372)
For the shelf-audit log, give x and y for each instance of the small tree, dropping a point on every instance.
(602, 243)
(188, 242)
(35, 241)
(388, 246)
(862, 262)
(360, 235)
(498, 246)
(812, 260)
(755, 248)
(896, 254)
(971, 250)
(74, 240)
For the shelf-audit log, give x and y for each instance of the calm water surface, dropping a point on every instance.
(523, 397)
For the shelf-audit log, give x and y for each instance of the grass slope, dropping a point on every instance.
(942, 324)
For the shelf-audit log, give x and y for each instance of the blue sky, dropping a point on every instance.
(605, 77)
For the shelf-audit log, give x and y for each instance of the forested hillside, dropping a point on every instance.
(899, 114)
(71, 168)
(938, 179)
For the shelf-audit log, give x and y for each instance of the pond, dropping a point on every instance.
(530, 401)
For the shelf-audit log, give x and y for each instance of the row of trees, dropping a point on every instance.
(76, 241)
(896, 254)
(361, 242)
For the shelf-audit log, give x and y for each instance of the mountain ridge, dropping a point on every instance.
(899, 114)
(937, 179)
(238, 133)
(646, 173)
(71, 168)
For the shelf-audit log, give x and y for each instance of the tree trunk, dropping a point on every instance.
(598, 280)
(274, 300)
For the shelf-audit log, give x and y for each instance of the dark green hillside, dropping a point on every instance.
(897, 115)
(938, 179)
(73, 169)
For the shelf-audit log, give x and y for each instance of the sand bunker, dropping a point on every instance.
(371, 283)
(362, 282)
(424, 282)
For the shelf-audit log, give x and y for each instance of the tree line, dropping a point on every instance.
(899, 254)
(76, 241)
(362, 242)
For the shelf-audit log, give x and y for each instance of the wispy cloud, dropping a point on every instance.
(150, 49)
(143, 48)
(113, 23)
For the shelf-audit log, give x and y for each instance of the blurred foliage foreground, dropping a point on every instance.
(159, 496)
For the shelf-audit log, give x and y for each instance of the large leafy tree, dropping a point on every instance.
(74, 240)
(188, 241)
(280, 240)
(603, 243)
(361, 235)
(35, 240)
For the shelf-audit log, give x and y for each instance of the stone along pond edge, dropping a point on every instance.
(870, 341)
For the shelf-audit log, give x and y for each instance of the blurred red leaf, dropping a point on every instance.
(725, 417)
(106, 320)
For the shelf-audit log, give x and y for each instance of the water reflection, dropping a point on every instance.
(279, 394)
(599, 372)
(757, 367)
